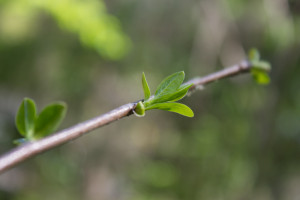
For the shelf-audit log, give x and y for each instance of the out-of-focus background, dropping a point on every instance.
(242, 144)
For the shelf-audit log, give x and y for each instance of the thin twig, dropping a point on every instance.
(31, 149)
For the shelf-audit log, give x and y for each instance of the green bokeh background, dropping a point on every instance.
(243, 143)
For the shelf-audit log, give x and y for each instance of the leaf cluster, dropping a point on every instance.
(169, 90)
(259, 68)
(33, 126)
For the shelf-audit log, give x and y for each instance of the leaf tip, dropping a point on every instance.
(146, 88)
(191, 114)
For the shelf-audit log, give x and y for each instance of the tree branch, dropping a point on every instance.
(30, 149)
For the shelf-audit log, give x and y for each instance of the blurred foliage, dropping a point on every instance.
(88, 19)
(243, 143)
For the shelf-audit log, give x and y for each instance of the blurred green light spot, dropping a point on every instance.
(88, 19)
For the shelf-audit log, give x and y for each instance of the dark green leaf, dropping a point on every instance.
(145, 87)
(261, 77)
(170, 84)
(173, 107)
(26, 117)
(49, 119)
(253, 55)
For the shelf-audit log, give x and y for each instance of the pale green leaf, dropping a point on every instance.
(25, 118)
(253, 55)
(173, 107)
(260, 77)
(49, 119)
(261, 65)
(145, 87)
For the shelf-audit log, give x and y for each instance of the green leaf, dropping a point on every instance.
(145, 87)
(166, 89)
(25, 118)
(173, 107)
(139, 110)
(253, 55)
(259, 68)
(170, 84)
(261, 65)
(261, 77)
(180, 93)
(49, 119)
(177, 95)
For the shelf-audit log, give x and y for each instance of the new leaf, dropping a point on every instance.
(261, 77)
(173, 107)
(49, 119)
(170, 84)
(145, 87)
(168, 89)
(139, 110)
(26, 117)
(259, 68)
(254, 55)
(180, 93)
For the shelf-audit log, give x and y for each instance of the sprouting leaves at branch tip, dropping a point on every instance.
(32, 126)
(26, 117)
(168, 91)
(259, 68)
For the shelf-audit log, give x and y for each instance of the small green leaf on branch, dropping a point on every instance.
(260, 77)
(33, 127)
(170, 84)
(173, 107)
(253, 55)
(25, 118)
(180, 93)
(259, 68)
(49, 119)
(146, 88)
(139, 110)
